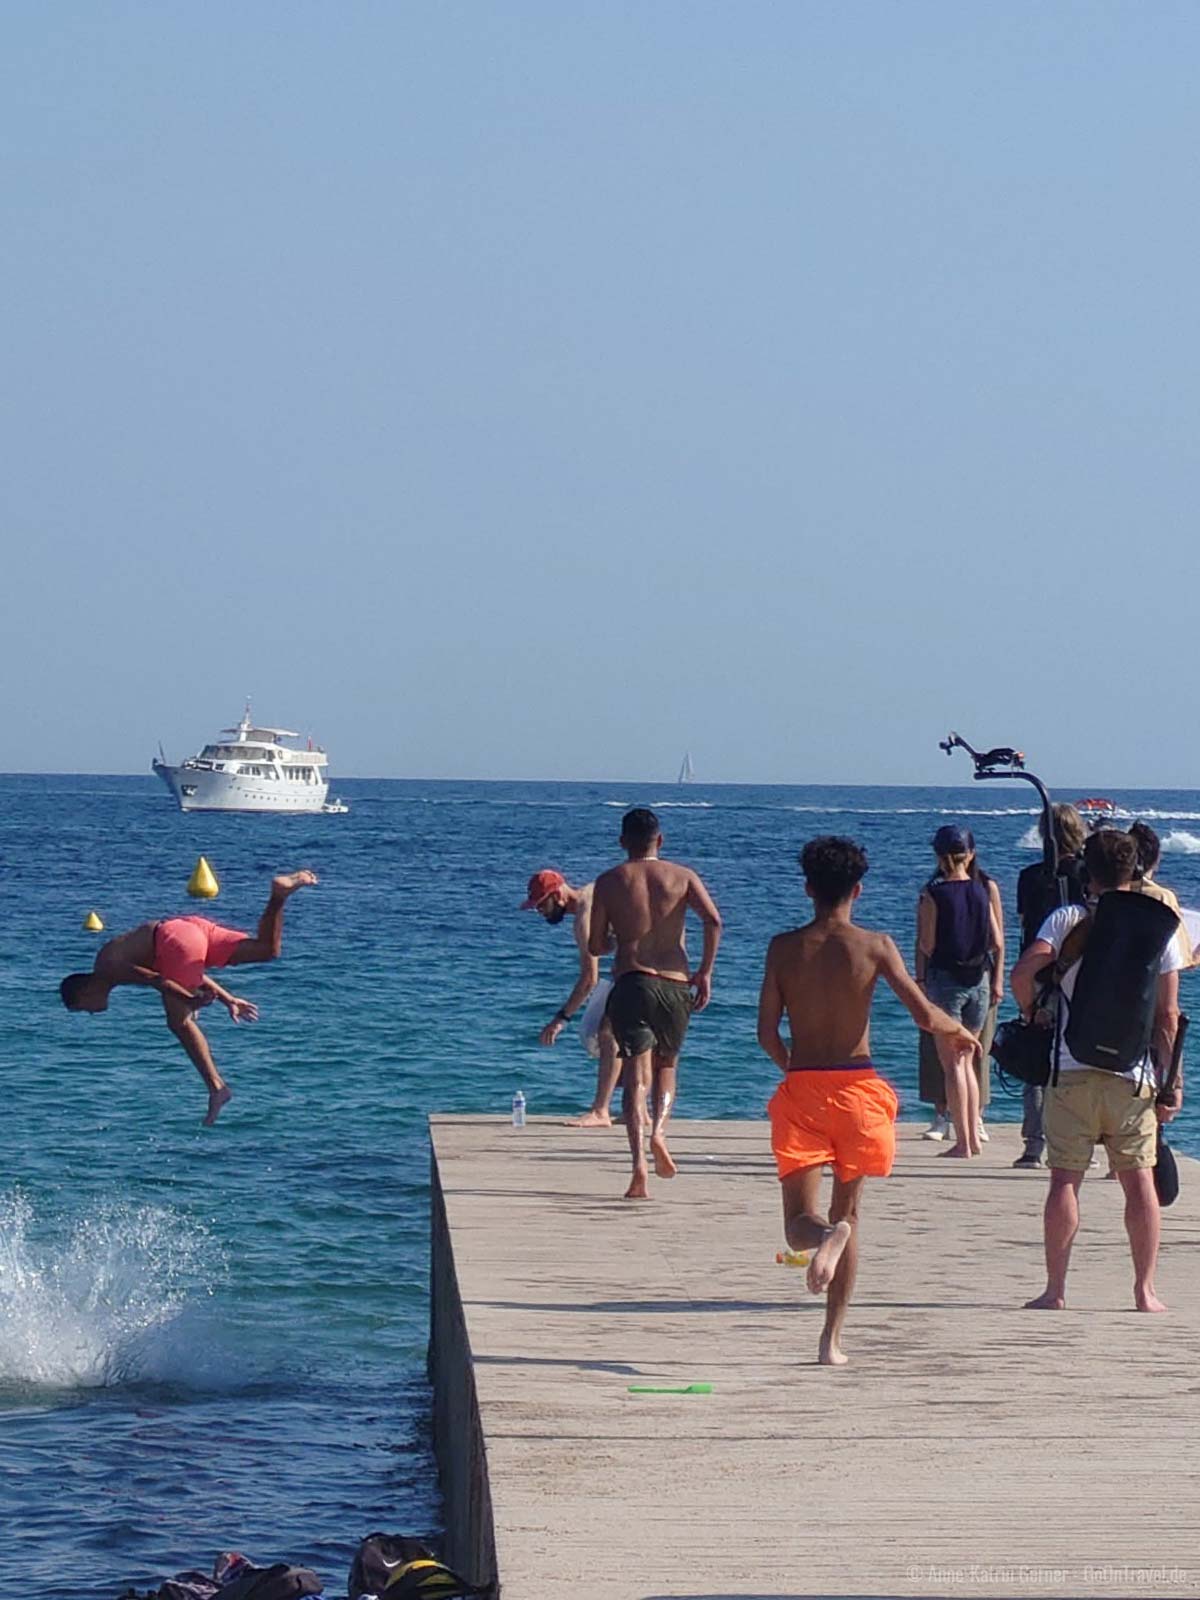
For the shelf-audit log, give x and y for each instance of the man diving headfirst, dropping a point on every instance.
(171, 956)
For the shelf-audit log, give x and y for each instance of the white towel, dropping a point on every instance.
(593, 1016)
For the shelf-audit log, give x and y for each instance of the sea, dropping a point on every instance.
(215, 1339)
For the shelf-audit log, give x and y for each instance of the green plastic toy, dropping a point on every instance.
(681, 1388)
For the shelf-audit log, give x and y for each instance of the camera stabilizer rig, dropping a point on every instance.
(1006, 763)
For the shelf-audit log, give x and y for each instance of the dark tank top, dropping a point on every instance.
(960, 946)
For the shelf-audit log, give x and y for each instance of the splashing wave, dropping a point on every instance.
(119, 1297)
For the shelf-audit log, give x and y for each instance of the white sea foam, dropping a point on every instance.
(119, 1296)
(666, 805)
(919, 811)
(1031, 839)
(1180, 843)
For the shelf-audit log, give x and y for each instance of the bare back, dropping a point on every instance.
(825, 975)
(132, 949)
(645, 903)
(583, 916)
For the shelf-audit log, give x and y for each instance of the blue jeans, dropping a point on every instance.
(1031, 1123)
(966, 1003)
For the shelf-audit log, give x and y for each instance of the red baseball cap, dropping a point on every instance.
(541, 886)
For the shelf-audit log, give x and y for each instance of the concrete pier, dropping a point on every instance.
(971, 1447)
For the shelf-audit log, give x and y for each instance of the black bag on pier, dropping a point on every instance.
(400, 1568)
(1025, 1051)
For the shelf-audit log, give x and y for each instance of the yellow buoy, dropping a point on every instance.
(92, 923)
(202, 884)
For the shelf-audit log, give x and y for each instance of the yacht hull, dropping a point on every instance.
(201, 790)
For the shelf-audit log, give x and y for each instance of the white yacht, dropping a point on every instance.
(251, 769)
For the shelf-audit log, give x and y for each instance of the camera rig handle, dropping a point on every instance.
(1005, 762)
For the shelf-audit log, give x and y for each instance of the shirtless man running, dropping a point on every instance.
(171, 956)
(553, 898)
(644, 904)
(833, 1108)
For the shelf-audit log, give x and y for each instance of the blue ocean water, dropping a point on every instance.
(215, 1339)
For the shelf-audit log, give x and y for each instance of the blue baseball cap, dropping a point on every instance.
(951, 840)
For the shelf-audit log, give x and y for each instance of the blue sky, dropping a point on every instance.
(541, 390)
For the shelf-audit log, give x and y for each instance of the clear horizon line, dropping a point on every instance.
(671, 783)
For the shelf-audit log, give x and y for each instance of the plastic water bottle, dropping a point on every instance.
(518, 1110)
(793, 1258)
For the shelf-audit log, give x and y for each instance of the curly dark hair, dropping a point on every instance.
(1111, 858)
(832, 866)
(1149, 850)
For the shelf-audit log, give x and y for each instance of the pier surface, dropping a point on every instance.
(971, 1447)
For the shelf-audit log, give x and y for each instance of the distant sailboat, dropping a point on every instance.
(686, 771)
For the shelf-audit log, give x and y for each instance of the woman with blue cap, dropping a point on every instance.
(958, 934)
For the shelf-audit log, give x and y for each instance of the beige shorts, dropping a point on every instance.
(1086, 1106)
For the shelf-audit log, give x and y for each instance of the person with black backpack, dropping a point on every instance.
(1116, 970)
(1037, 896)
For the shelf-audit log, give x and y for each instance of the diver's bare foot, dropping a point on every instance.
(829, 1252)
(1147, 1300)
(638, 1189)
(960, 1152)
(1046, 1302)
(590, 1119)
(830, 1352)
(664, 1166)
(288, 882)
(216, 1099)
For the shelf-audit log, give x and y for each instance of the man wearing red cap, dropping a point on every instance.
(552, 897)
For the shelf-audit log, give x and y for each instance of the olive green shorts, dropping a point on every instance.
(1086, 1106)
(649, 1013)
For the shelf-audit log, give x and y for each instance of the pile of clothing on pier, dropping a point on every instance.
(386, 1566)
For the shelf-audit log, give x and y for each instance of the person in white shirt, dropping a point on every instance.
(1090, 1104)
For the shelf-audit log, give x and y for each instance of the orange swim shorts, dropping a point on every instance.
(843, 1117)
(184, 946)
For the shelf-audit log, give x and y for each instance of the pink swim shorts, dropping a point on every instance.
(184, 946)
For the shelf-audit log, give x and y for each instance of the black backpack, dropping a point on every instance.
(1112, 1005)
(401, 1568)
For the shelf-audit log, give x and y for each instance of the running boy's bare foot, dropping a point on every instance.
(288, 882)
(830, 1352)
(590, 1119)
(664, 1165)
(829, 1252)
(216, 1099)
(1147, 1300)
(638, 1190)
(1046, 1302)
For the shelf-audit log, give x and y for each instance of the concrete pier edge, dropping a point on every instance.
(469, 1545)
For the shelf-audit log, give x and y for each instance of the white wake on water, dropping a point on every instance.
(1177, 842)
(1181, 843)
(119, 1297)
